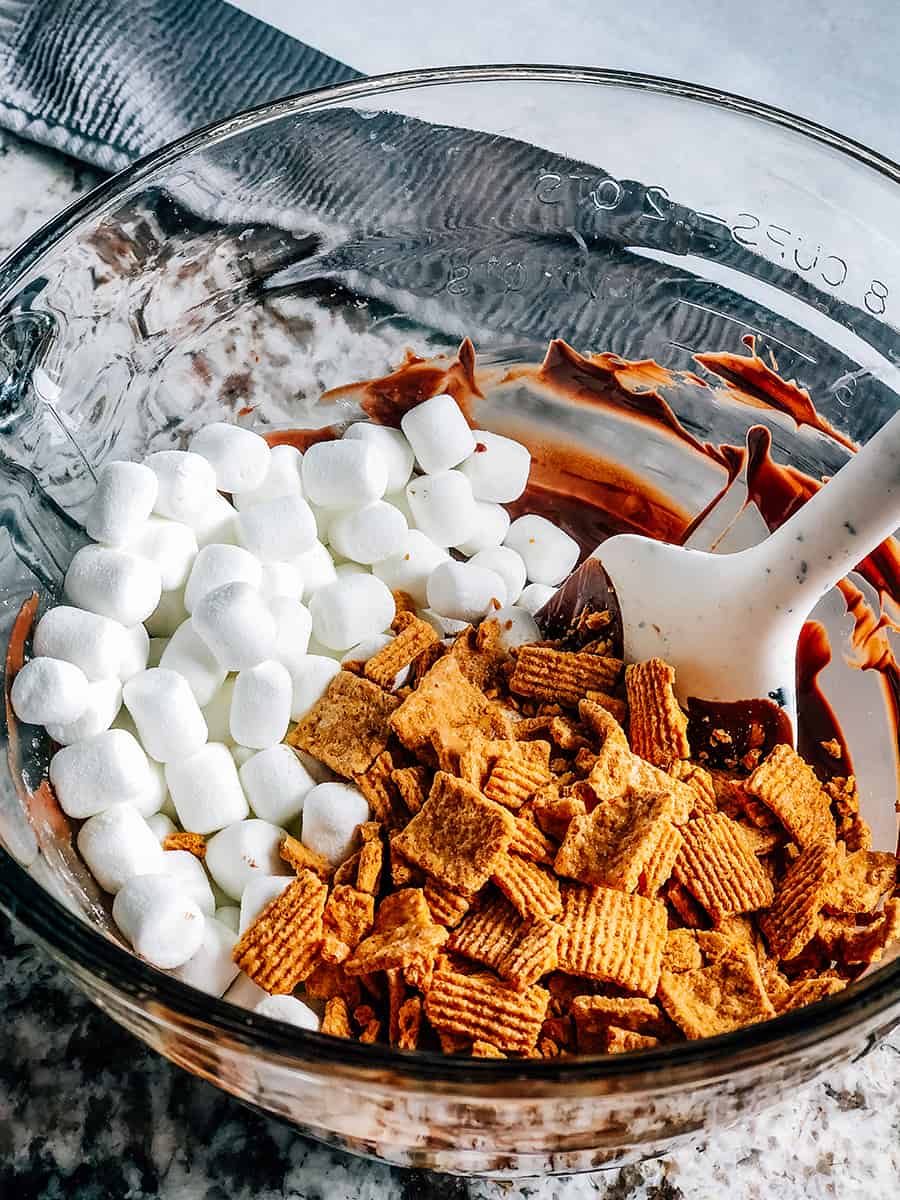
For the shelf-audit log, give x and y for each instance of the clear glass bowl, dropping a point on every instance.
(250, 267)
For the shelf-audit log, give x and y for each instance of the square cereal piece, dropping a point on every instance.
(613, 936)
(487, 932)
(868, 944)
(281, 946)
(688, 911)
(445, 709)
(412, 785)
(682, 952)
(377, 785)
(479, 655)
(788, 787)
(613, 843)
(618, 709)
(458, 836)
(657, 725)
(448, 905)
(409, 1024)
(482, 1049)
(480, 1008)
(532, 890)
(593, 1015)
(518, 770)
(725, 995)
(301, 858)
(407, 906)
(543, 673)
(336, 1020)
(624, 1041)
(658, 867)
(412, 639)
(553, 811)
(328, 980)
(700, 781)
(791, 922)
(349, 915)
(532, 955)
(369, 867)
(531, 842)
(652, 781)
(349, 727)
(808, 991)
(865, 877)
(478, 757)
(396, 947)
(719, 869)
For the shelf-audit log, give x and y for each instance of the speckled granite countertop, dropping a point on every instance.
(87, 1112)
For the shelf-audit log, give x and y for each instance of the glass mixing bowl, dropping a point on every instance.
(248, 268)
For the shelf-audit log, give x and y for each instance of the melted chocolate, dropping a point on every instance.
(819, 725)
(587, 590)
(723, 733)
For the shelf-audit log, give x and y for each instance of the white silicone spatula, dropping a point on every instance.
(729, 623)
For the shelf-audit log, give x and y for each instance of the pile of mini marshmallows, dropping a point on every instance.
(197, 628)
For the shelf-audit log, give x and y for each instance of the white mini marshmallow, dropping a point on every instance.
(216, 565)
(332, 814)
(114, 583)
(91, 776)
(155, 650)
(276, 782)
(161, 921)
(135, 652)
(122, 502)
(498, 469)
(409, 568)
(167, 616)
(191, 876)
(91, 642)
(438, 433)
(283, 478)
(236, 624)
(446, 627)
(395, 449)
(119, 844)
(212, 969)
(290, 1010)
(508, 564)
(517, 627)
(215, 524)
(465, 592)
(549, 553)
(351, 609)
(342, 569)
(443, 507)
(49, 691)
(245, 993)
(157, 798)
(310, 679)
(171, 545)
(206, 790)
(167, 716)
(490, 530)
(316, 568)
(261, 705)
(240, 754)
(277, 529)
(230, 916)
(281, 579)
(239, 457)
(187, 484)
(345, 474)
(259, 892)
(188, 654)
(217, 713)
(363, 651)
(161, 826)
(293, 625)
(103, 704)
(242, 851)
(370, 534)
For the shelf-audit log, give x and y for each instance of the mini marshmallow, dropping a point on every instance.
(316, 568)
(443, 507)
(217, 713)
(275, 782)
(239, 457)
(464, 592)
(363, 651)
(281, 579)
(245, 993)
(445, 627)
(394, 448)
(212, 969)
(293, 625)
(206, 790)
(103, 703)
(171, 545)
(114, 584)
(409, 568)
(438, 433)
(155, 650)
(332, 814)
(490, 530)
(49, 690)
(283, 478)
(517, 627)
(242, 851)
(370, 534)
(91, 642)
(119, 844)
(342, 569)
(277, 529)
(350, 609)
(240, 754)
(498, 469)
(187, 484)
(508, 564)
(135, 652)
(310, 679)
(215, 524)
(91, 776)
(161, 826)
(188, 654)
(167, 616)
(161, 921)
(230, 916)
(259, 892)
(236, 624)
(217, 565)
(549, 553)
(167, 716)
(345, 474)
(188, 870)
(290, 1010)
(261, 705)
(122, 502)
(401, 501)
(157, 798)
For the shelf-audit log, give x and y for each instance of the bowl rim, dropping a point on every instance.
(88, 951)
